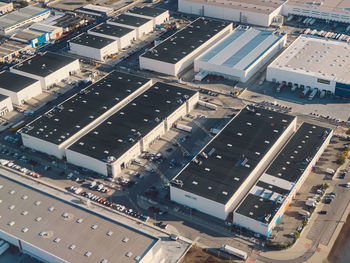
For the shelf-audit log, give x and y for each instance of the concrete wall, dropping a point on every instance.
(5, 106)
(313, 12)
(83, 160)
(226, 12)
(94, 53)
(25, 94)
(42, 146)
(276, 74)
(155, 20)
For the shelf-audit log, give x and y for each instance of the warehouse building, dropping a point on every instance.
(123, 35)
(21, 17)
(269, 198)
(9, 49)
(52, 230)
(5, 7)
(54, 32)
(179, 51)
(31, 37)
(49, 68)
(143, 26)
(95, 10)
(5, 105)
(61, 126)
(158, 15)
(316, 62)
(111, 146)
(329, 10)
(19, 88)
(219, 177)
(254, 12)
(240, 54)
(92, 46)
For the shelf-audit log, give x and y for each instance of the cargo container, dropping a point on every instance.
(183, 127)
(234, 251)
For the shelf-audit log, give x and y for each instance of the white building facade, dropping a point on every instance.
(5, 105)
(240, 54)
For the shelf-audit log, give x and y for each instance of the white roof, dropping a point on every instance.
(241, 48)
(98, 8)
(319, 57)
(273, 180)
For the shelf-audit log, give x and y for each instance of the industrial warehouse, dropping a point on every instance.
(92, 46)
(218, 178)
(158, 16)
(52, 132)
(115, 143)
(49, 68)
(314, 62)
(123, 35)
(143, 26)
(179, 51)
(240, 54)
(52, 230)
(19, 88)
(255, 12)
(21, 17)
(269, 198)
(5, 105)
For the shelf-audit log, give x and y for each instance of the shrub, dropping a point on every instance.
(348, 131)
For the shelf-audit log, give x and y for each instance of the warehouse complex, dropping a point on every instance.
(51, 230)
(262, 208)
(49, 68)
(121, 138)
(255, 12)
(21, 17)
(52, 132)
(316, 62)
(19, 88)
(95, 10)
(158, 16)
(5, 7)
(123, 35)
(179, 51)
(93, 46)
(219, 177)
(32, 37)
(240, 54)
(142, 25)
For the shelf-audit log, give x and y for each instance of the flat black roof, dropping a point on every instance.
(258, 208)
(14, 82)
(303, 146)
(233, 154)
(130, 20)
(3, 97)
(293, 159)
(147, 11)
(62, 122)
(112, 30)
(45, 64)
(92, 41)
(185, 41)
(123, 129)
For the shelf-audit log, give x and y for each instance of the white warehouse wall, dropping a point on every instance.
(275, 74)
(88, 162)
(42, 146)
(25, 94)
(6, 106)
(158, 20)
(140, 31)
(94, 53)
(227, 13)
(313, 12)
(157, 66)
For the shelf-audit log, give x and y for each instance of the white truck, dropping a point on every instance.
(183, 127)
(92, 184)
(234, 251)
